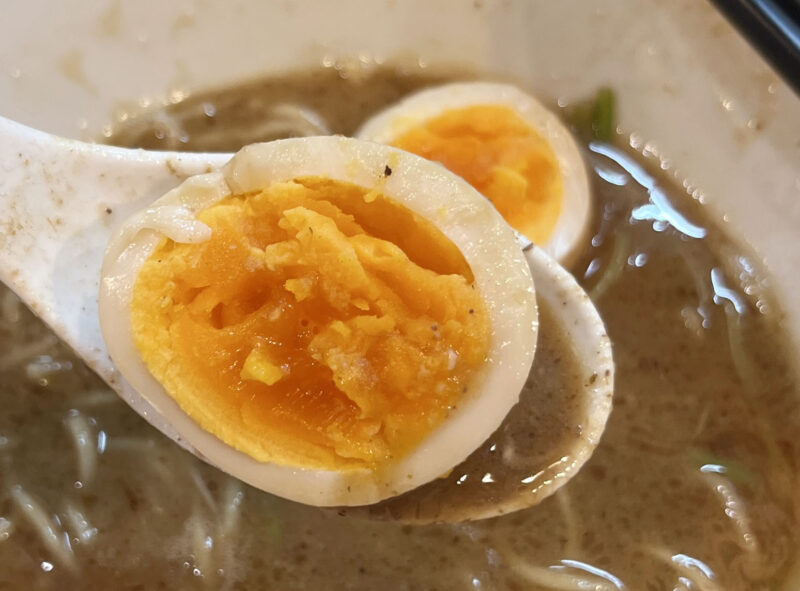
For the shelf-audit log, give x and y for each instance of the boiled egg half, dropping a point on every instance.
(508, 146)
(332, 320)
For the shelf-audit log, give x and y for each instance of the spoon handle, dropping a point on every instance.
(60, 200)
(773, 28)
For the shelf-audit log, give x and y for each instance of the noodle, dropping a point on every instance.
(734, 510)
(572, 548)
(79, 525)
(603, 574)
(697, 573)
(780, 474)
(54, 539)
(202, 488)
(94, 398)
(6, 529)
(43, 367)
(24, 352)
(7, 443)
(10, 307)
(85, 445)
(202, 545)
(232, 500)
(559, 578)
(293, 120)
(616, 263)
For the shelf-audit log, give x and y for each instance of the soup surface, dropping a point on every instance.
(694, 485)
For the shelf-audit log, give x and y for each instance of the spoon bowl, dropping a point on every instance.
(501, 476)
(62, 200)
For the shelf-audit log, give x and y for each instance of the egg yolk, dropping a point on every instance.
(322, 325)
(499, 154)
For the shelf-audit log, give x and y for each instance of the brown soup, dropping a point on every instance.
(693, 486)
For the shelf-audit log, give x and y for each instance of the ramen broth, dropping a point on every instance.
(693, 486)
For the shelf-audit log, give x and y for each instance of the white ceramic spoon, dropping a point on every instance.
(59, 203)
(60, 200)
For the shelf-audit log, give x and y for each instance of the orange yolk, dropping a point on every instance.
(322, 325)
(500, 155)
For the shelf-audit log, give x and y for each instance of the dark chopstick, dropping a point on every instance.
(773, 28)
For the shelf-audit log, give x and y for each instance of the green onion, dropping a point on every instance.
(594, 119)
(603, 127)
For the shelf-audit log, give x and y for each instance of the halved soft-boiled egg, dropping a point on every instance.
(331, 320)
(508, 146)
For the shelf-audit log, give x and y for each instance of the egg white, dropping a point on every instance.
(459, 211)
(572, 225)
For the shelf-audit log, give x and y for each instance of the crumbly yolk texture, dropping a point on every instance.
(500, 155)
(322, 325)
